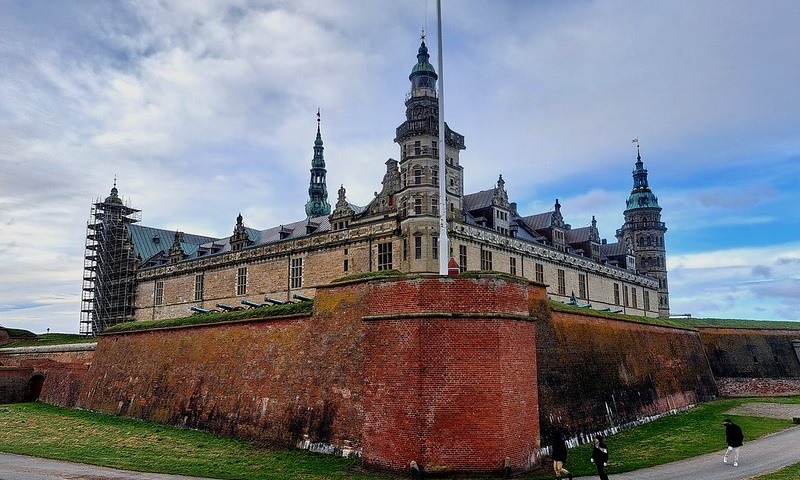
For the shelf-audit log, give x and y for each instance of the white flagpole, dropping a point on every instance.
(444, 244)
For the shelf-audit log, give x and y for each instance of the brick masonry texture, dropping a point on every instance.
(454, 373)
(454, 391)
(597, 373)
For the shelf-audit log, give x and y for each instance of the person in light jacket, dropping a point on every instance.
(600, 456)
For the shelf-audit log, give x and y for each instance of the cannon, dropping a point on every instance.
(202, 310)
(229, 308)
(253, 304)
(273, 301)
(302, 298)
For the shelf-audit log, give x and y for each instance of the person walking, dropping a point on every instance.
(735, 439)
(600, 456)
(560, 455)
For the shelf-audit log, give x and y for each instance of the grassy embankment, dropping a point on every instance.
(46, 431)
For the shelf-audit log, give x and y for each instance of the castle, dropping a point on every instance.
(135, 272)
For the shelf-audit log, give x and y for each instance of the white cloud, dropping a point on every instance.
(206, 109)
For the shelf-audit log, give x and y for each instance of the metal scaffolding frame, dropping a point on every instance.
(109, 265)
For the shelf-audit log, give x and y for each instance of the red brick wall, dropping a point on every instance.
(450, 373)
(14, 384)
(281, 380)
(752, 352)
(597, 373)
(64, 368)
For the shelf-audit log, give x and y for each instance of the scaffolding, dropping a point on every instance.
(109, 266)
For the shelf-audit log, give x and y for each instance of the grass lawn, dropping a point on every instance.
(46, 431)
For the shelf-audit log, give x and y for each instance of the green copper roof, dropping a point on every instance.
(641, 195)
(423, 66)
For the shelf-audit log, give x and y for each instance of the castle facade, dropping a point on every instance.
(135, 272)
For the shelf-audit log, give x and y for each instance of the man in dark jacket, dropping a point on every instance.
(735, 439)
(600, 457)
(560, 454)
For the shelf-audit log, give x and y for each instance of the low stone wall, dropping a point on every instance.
(62, 370)
(758, 387)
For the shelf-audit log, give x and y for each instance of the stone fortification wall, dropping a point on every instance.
(15, 384)
(61, 369)
(288, 381)
(752, 352)
(450, 374)
(597, 374)
(752, 361)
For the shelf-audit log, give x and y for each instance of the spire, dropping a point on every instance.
(317, 204)
(423, 76)
(641, 195)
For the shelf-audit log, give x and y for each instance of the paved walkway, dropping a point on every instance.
(758, 457)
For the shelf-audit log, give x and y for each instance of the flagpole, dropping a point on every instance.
(444, 244)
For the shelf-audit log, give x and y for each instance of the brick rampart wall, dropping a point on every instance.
(597, 373)
(450, 373)
(63, 367)
(14, 384)
(752, 353)
(289, 381)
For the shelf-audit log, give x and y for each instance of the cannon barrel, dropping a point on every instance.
(272, 300)
(302, 298)
(200, 310)
(229, 308)
(252, 304)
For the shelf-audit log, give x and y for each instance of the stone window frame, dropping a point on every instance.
(385, 256)
(296, 273)
(199, 287)
(158, 293)
(241, 281)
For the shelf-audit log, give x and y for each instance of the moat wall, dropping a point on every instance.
(598, 374)
(454, 373)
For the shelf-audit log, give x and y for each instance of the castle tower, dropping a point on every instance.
(317, 204)
(418, 198)
(643, 233)
(109, 265)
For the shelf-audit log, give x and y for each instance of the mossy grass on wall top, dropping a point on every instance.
(213, 318)
(51, 339)
(369, 275)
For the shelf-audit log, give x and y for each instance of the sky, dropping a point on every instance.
(203, 110)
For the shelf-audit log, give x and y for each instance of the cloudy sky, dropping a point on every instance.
(204, 109)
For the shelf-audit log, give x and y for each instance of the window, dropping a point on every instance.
(435, 175)
(625, 295)
(539, 272)
(417, 206)
(486, 260)
(346, 265)
(417, 148)
(646, 300)
(616, 294)
(633, 298)
(434, 206)
(417, 247)
(435, 247)
(296, 273)
(582, 286)
(462, 258)
(158, 294)
(417, 176)
(405, 249)
(241, 281)
(512, 265)
(562, 283)
(198, 287)
(385, 256)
